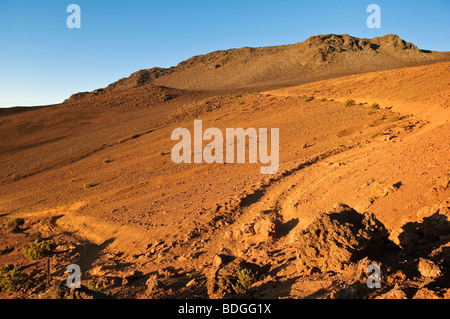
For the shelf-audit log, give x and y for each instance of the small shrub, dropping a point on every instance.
(376, 134)
(39, 250)
(375, 106)
(246, 278)
(93, 285)
(308, 98)
(371, 123)
(394, 118)
(106, 161)
(324, 99)
(349, 103)
(12, 280)
(88, 185)
(15, 223)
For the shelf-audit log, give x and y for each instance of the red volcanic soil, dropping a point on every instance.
(358, 184)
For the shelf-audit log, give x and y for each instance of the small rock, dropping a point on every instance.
(293, 203)
(217, 261)
(238, 233)
(248, 229)
(428, 211)
(99, 271)
(152, 283)
(191, 283)
(228, 234)
(381, 190)
(427, 268)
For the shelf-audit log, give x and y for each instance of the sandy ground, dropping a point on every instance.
(97, 177)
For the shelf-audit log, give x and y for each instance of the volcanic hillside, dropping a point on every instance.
(319, 57)
(364, 178)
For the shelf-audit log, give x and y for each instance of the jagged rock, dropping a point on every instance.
(428, 233)
(428, 211)
(427, 268)
(394, 293)
(425, 293)
(99, 271)
(339, 238)
(380, 190)
(192, 283)
(248, 229)
(152, 283)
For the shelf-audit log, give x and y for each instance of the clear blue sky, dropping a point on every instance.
(43, 62)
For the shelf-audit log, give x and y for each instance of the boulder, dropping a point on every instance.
(427, 268)
(338, 238)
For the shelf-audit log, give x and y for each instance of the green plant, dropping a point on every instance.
(93, 285)
(323, 99)
(394, 118)
(246, 278)
(375, 106)
(39, 250)
(308, 98)
(376, 134)
(15, 223)
(349, 103)
(12, 280)
(106, 161)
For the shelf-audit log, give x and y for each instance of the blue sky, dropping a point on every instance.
(42, 61)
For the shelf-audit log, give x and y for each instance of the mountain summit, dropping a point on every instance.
(317, 58)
